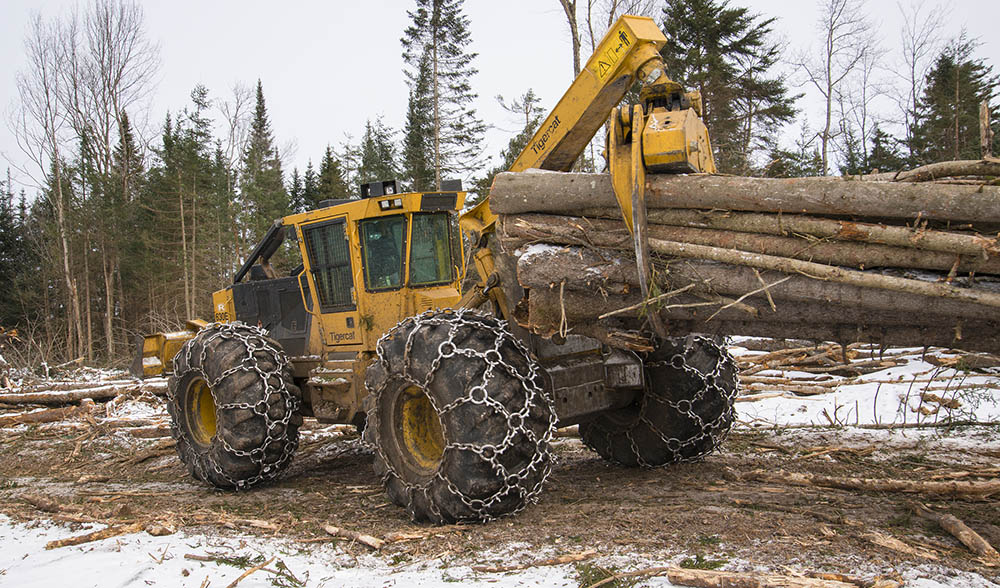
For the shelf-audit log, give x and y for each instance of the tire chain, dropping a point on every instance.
(255, 339)
(476, 395)
(713, 382)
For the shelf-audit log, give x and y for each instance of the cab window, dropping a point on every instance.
(330, 258)
(431, 250)
(382, 247)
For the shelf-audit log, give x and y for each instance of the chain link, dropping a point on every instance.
(720, 382)
(526, 407)
(259, 350)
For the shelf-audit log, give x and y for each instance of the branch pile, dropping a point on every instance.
(899, 262)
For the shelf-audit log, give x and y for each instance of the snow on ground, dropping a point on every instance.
(889, 396)
(144, 560)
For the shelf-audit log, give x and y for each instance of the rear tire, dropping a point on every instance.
(684, 414)
(233, 405)
(457, 416)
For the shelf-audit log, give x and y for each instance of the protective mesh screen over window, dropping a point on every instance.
(431, 250)
(330, 258)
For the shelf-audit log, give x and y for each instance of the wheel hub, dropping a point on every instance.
(201, 416)
(420, 427)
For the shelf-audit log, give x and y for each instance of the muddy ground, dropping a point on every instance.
(705, 510)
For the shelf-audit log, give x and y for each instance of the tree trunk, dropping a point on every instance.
(569, 7)
(184, 251)
(818, 228)
(107, 272)
(86, 294)
(988, 166)
(568, 193)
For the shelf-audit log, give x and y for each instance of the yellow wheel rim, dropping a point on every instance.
(421, 429)
(200, 411)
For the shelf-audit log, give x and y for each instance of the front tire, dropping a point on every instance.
(233, 405)
(458, 418)
(684, 414)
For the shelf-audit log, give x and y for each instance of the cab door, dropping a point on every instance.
(328, 249)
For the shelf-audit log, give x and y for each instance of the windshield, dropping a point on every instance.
(382, 243)
(431, 251)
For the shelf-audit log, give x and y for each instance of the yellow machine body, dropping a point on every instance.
(365, 265)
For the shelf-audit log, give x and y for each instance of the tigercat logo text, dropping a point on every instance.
(539, 145)
(341, 337)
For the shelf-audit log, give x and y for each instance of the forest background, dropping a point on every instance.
(118, 219)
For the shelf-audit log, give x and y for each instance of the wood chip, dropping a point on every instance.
(373, 542)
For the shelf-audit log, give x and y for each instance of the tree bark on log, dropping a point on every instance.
(596, 282)
(556, 192)
(40, 416)
(97, 392)
(603, 269)
(823, 228)
(960, 531)
(943, 169)
(979, 490)
(724, 579)
(544, 312)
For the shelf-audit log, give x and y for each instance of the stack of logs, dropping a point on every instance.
(894, 259)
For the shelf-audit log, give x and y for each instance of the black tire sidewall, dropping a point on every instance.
(251, 445)
(466, 485)
(683, 415)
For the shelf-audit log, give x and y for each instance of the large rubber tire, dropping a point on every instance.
(233, 405)
(458, 418)
(684, 414)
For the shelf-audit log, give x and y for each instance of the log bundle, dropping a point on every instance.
(895, 263)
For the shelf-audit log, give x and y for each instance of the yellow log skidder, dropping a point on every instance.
(460, 403)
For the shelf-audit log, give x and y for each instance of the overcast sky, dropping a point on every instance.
(328, 66)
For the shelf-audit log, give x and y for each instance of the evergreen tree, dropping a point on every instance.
(332, 183)
(296, 193)
(726, 54)
(440, 73)
(886, 152)
(418, 140)
(310, 186)
(262, 188)
(947, 117)
(11, 255)
(377, 153)
(854, 161)
(803, 161)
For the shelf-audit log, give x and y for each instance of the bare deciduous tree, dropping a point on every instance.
(855, 100)
(920, 43)
(109, 66)
(39, 126)
(236, 114)
(847, 37)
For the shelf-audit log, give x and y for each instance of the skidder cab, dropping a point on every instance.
(295, 331)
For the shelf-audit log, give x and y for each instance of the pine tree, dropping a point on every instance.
(332, 183)
(440, 73)
(262, 189)
(726, 54)
(947, 118)
(418, 140)
(886, 152)
(804, 161)
(310, 186)
(11, 254)
(296, 195)
(377, 153)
